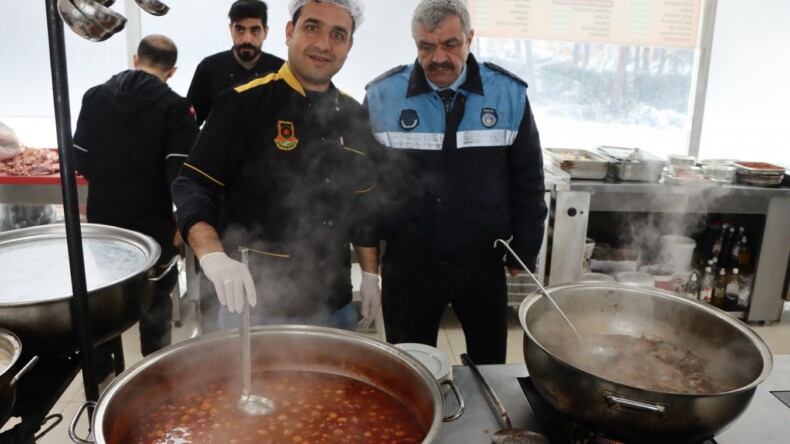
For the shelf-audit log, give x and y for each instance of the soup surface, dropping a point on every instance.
(648, 364)
(312, 407)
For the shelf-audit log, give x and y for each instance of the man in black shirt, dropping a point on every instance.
(132, 136)
(244, 61)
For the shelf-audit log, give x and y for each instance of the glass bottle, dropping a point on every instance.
(735, 253)
(744, 257)
(731, 291)
(692, 287)
(706, 286)
(719, 290)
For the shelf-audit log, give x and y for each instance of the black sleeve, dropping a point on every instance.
(215, 155)
(181, 133)
(527, 192)
(364, 231)
(198, 93)
(82, 138)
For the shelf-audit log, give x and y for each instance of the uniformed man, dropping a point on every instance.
(245, 60)
(464, 168)
(283, 167)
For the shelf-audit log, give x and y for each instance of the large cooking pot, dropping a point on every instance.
(630, 413)
(10, 352)
(35, 283)
(198, 361)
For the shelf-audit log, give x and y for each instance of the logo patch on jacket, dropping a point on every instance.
(286, 136)
(489, 117)
(409, 119)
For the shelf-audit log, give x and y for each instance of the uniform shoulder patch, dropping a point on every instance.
(498, 68)
(389, 73)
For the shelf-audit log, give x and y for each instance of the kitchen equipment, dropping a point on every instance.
(720, 172)
(633, 164)
(506, 435)
(10, 352)
(629, 413)
(636, 277)
(81, 25)
(249, 404)
(596, 277)
(580, 163)
(759, 173)
(680, 160)
(194, 363)
(434, 360)
(589, 247)
(108, 19)
(36, 282)
(153, 7)
(680, 250)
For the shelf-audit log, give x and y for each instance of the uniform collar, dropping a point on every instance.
(418, 83)
(287, 75)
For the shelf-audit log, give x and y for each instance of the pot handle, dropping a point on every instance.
(29, 366)
(461, 406)
(169, 267)
(656, 409)
(73, 426)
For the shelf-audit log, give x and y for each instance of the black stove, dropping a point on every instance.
(558, 428)
(36, 394)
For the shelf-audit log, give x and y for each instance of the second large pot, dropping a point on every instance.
(198, 361)
(628, 413)
(36, 295)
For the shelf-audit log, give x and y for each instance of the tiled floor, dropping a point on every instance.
(451, 341)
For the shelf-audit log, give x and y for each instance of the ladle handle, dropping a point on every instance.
(245, 336)
(543, 290)
(495, 402)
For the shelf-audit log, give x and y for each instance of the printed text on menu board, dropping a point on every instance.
(672, 23)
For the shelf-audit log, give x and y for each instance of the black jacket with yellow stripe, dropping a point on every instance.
(288, 174)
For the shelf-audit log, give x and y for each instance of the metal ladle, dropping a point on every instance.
(153, 7)
(507, 435)
(81, 25)
(249, 404)
(103, 16)
(543, 290)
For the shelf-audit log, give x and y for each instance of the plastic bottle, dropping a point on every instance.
(692, 287)
(719, 244)
(706, 286)
(719, 290)
(731, 291)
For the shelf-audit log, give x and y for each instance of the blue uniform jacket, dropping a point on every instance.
(454, 182)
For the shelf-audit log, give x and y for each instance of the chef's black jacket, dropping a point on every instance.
(289, 174)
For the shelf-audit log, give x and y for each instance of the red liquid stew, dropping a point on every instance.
(312, 407)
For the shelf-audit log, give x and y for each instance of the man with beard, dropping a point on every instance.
(244, 61)
(463, 168)
(283, 167)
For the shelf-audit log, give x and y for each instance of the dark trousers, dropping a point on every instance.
(415, 294)
(155, 327)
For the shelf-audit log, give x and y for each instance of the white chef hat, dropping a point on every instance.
(355, 7)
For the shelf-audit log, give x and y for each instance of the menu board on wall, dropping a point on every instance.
(673, 23)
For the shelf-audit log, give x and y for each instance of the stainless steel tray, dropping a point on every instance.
(580, 163)
(633, 164)
(760, 180)
(745, 168)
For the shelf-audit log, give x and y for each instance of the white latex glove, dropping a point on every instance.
(370, 292)
(231, 279)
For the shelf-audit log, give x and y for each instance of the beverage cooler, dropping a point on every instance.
(629, 224)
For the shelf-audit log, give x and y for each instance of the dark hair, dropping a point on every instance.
(157, 51)
(298, 13)
(242, 9)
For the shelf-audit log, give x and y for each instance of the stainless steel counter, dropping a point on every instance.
(766, 421)
(572, 207)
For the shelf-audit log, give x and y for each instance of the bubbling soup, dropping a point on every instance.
(312, 407)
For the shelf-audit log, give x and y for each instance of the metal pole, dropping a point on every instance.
(79, 303)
